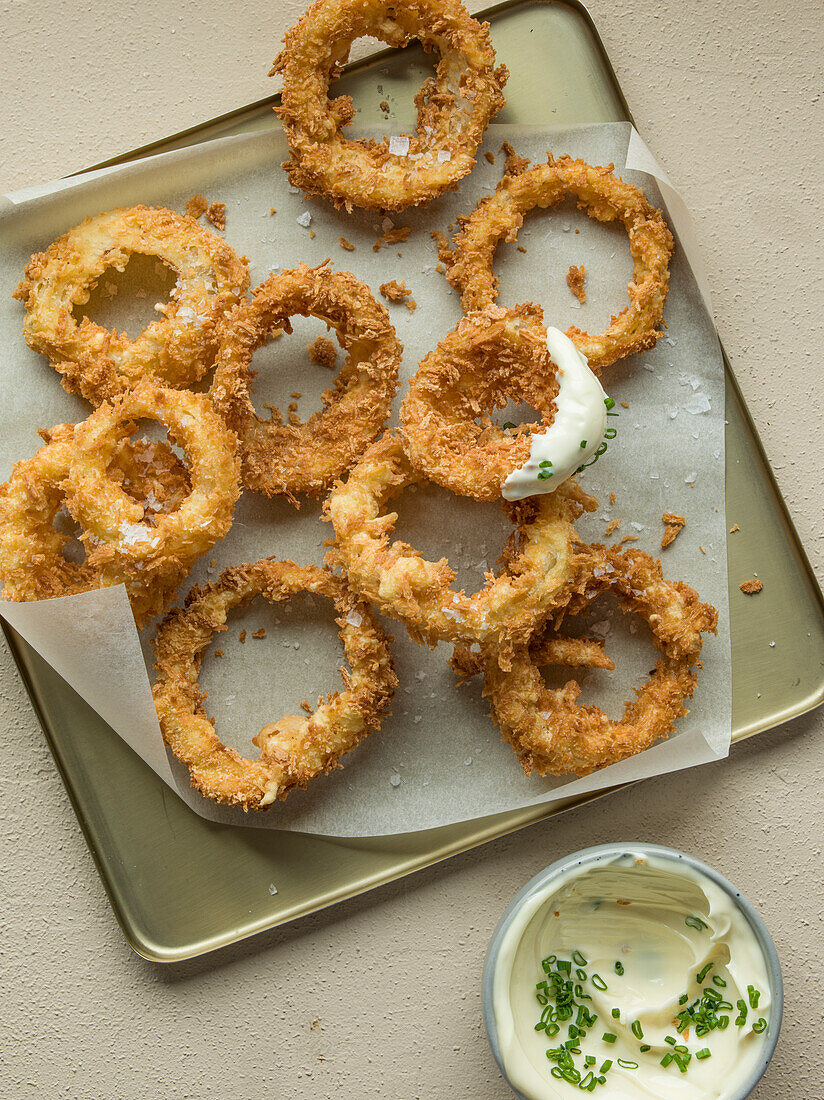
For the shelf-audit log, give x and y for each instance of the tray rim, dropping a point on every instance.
(494, 826)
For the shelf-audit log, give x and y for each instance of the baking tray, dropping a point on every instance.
(181, 886)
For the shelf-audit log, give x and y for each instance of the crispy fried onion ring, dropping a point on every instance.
(32, 563)
(544, 564)
(493, 356)
(119, 545)
(605, 197)
(175, 351)
(298, 747)
(306, 458)
(454, 107)
(554, 735)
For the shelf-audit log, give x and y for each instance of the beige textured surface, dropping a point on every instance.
(728, 96)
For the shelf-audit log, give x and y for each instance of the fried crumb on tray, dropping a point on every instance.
(196, 206)
(575, 282)
(216, 214)
(323, 352)
(612, 527)
(398, 292)
(515, 165)
(490, 156)
(259, 633)
(347, 245)
(392, 236)
(752, 587)
(673, 526)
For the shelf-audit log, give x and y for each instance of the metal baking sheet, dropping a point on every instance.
(181, 886)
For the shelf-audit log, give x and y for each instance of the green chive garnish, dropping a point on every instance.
(719, 981)
(598, 982)
(759, 1025)
(644, 1047)
(625, 1062)
(608, 1037)
(606, 1066)
(702, 973)
(619, 968)
(616, 1012)
(637, 1030)
(609, 402)
(702, 1054)
(695, 922)
(583, 444)
(754, 996)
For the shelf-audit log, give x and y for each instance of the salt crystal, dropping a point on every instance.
(304, 219)
(690, 478)
(354, 618)
(399, 146)
(637, 526)
(387, 224)
(698, 403)
(294, 190)
(272, 889)
(672, 411)
(417, 718)
(601, 628)
(649, 367)
(468, 761)
(395, 779)
(444, 155)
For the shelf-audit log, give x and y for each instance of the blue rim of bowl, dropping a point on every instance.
(595, 855)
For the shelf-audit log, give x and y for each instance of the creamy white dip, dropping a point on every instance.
(575, 434)
(586, 911)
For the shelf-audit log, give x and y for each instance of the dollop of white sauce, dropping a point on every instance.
(586, 911)
(581, 414)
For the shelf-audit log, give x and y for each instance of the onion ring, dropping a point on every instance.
(492, 356)
(298, 747)
(543, 566)
(120, 546)
(175, 351)
(32, 565)
(454, 107)
(549, 731)
(605, 197)
(306, 458)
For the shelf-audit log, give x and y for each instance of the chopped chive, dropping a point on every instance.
(616, 1012)
(545, 462)
(508, 424)
(627, 1064)
(681, 1062)
(552, 1030)
(608, 1037)
(606, 1066)
(644, 1047)
(589, 1060)
(581, 975)
(682, 1000)
(637, 1030)
(702, 1054)
(598, 982)
(583, 444)
(610, 433)
(669, 1039)
(719, 981)
(665, 1061)
(702, 973)
(544, 475)
(609, 402)
(695, 922)
(759, 1025)
(542, 1000)
(723, 1023)
(619, 968)
(754, 996)
(578, 958)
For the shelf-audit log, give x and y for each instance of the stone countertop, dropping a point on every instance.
(379, 997)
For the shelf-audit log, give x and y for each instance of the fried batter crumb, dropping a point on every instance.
(521, 248)
(219, 652)
(575, 282)
(346, 244)
(398, 292)
(392, 236)
(384, 106)
(734, 528)
(292, 410)
(673, 526)
(490, 157)
(612, 526)
(272, 211)
(259, 633)
(627, 538)
(701, 548)
(612, 498)
(242, 637)
(323, 352)
(625, 404)
(216, 214)
(515, 165)
(750, 588)
(196, 206)
(306, 706)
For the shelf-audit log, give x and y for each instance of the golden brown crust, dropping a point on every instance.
(491, 357)
(287, 459)
(216, 214)
(296, 748)
(673, 526)
(751, 587)
(323, 352)
(399, 293)
(606, 198)
(554, 735)
(544, 564)
(454, 106)
(174, 351)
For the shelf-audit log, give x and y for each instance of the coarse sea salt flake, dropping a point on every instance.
(304, 219)
(394, 780)
(698, 403)
(443, 156)
(399, 145)
(354, 618)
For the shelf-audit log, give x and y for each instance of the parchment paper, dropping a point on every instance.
(439, 758)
